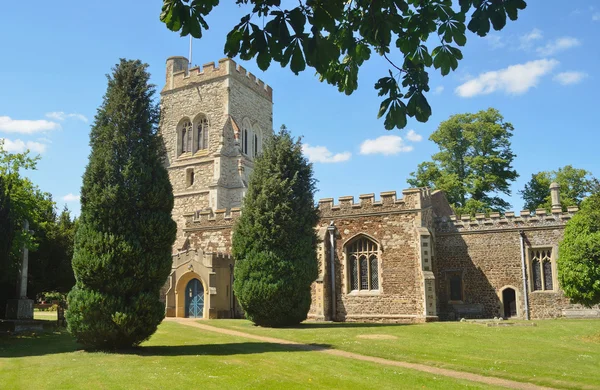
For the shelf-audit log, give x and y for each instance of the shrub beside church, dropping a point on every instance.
(123, 244)
(274, 243)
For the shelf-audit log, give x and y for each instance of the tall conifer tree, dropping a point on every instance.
(274, 242)
(122, 253)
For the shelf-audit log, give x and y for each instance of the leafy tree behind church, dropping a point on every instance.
(336, 38)
(579, 254)
(20, 200)
(123, 243)
(50, 265)
(474, 163)
(274, 242)
(575, 184)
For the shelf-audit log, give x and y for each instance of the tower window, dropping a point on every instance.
(202, 134)
(186, 137)
(247, 138)
(255, 146)
(189, 177)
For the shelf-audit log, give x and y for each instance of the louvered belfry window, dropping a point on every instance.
(186, 137)
(203, 133)
(363, 264)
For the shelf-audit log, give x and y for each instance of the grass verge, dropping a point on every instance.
(178, 356)
(557, 353)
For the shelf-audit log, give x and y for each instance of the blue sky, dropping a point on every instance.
(540, 72)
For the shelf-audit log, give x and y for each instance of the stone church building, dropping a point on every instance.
(398, 258)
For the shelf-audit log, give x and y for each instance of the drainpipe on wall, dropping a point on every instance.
(523, 269)
(331, 230)
(231, 301)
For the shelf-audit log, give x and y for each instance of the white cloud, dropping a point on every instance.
(320, 154)
(569, 78)
(513, 80)
(438, 90)
(19, 146)
(61, 116)
(494, 41)
(22, 126)
(596, 17)
(70, 197)
(386, 145)
(45, 140)
(557, 45)
(528, 39)
(413, 136)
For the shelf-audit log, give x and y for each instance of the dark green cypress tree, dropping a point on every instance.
(274, 242)
(122, 252)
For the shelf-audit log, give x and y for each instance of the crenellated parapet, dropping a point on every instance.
(179, 76)
(207, 218)
(509, 220)
(412, 199)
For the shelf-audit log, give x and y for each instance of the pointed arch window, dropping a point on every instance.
(247, 137)
(363, 264)
(185, 137)
(202, 133)
(542, 276)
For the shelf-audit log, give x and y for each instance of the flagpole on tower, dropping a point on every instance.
(190, 63)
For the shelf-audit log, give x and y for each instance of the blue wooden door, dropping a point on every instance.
(194, 299)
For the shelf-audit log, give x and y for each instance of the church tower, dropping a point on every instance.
(214, 122)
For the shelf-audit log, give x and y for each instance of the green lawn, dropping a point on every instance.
(557, 353)
(182, 357)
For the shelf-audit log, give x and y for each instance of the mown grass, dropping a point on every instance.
(182, 357)
(557, 353)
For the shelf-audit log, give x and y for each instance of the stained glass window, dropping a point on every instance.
(541, 269)
(536, 275)
(547, 266)
(354, 273)
(374, 272)
(363, 262)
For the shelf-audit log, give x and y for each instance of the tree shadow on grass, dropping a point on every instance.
(37, 344)
(340, 325)
(60, 341)
(222, 349)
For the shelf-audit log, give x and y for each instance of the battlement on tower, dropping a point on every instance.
(494, 221)
(179, 76)
(207, 218)
(412, 199)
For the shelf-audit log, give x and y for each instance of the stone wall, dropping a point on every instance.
(486, 251)
(393, 223)
(210, 232)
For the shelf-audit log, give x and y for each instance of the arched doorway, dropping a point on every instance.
(509, 301)
(194, 299)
